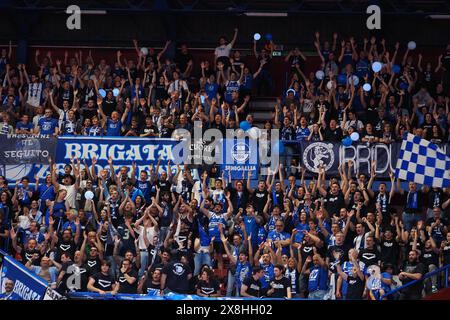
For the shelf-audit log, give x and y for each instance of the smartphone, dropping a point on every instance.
(202, 99)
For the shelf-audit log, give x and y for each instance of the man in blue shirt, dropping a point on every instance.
(9, 294)
(24, 126)
(318, 276)
(279, 236)
(113, 124)
(47, 124)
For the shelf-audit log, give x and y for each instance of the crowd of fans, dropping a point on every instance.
(157, 232)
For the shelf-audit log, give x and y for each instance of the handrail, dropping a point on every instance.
(426, 276)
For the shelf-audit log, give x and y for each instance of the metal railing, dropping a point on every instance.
(428, 275)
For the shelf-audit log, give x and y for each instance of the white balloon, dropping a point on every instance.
(355, 80)
(376, 66)
(254, 133)
(89, 195)
(320, 74)
(256, 36)
(144, 51)
(412, 45)
(330, 85)
(354, 136)
(367, 87)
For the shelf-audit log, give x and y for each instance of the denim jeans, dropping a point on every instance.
(317, 295)
(409, 220)
(112, 269)
(231, 285)
(200, 259)
(144, 262)
(162, 235)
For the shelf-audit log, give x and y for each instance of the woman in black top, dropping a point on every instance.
(207, 286)
(280, 287)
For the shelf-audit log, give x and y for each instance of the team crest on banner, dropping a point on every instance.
(242, 157)
(318, 154)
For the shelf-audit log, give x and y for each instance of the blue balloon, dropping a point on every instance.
(347, 141)
(279, 147)
(342, 79)
(245, 125)
(268, 36)
(396, 68)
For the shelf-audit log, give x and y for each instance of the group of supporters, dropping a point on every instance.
(154, 232)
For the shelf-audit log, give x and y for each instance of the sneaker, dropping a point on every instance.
(434, 289)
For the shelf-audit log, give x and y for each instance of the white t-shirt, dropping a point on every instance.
(151, 232)
(71, 194)
(223, 50)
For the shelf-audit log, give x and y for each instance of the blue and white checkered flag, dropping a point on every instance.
(423, 162)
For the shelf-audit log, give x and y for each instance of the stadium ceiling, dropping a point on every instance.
(239, 7)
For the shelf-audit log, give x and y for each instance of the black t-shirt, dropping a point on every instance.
(70, 269)
(150, 287)
(93, 265)
(103, 281)
(208, 288)
(280, 287)
(369, 256)
(259, 200)
(27, 255)
(337, 251)
(334, 203)
(355, 288)
(68, 247)
(124, 285)
(416, 288)
(177, 276)
(390, 251)
(253, 287)
(428, 258)
(333, 135)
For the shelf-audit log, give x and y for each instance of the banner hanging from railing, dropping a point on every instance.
(26, 285)
(314, 155)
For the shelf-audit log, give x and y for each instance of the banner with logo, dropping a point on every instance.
(239, 157)
(16, 149)
(314, 155)
(27, 285)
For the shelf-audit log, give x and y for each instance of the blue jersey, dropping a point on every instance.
(46, 193)
(318, 279)
(24, 126)
(298, 238)
(113, 128)
(302, 133)
(279, 236)
(145, 187)
(211, 90)
(243, 271)
(230, 88)
(10, 296)
(268, 275)
(247, 82)
(251, 227)
(262, 235)
(213, 227)
(47, 125)
(205, 239)
(95, 131)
